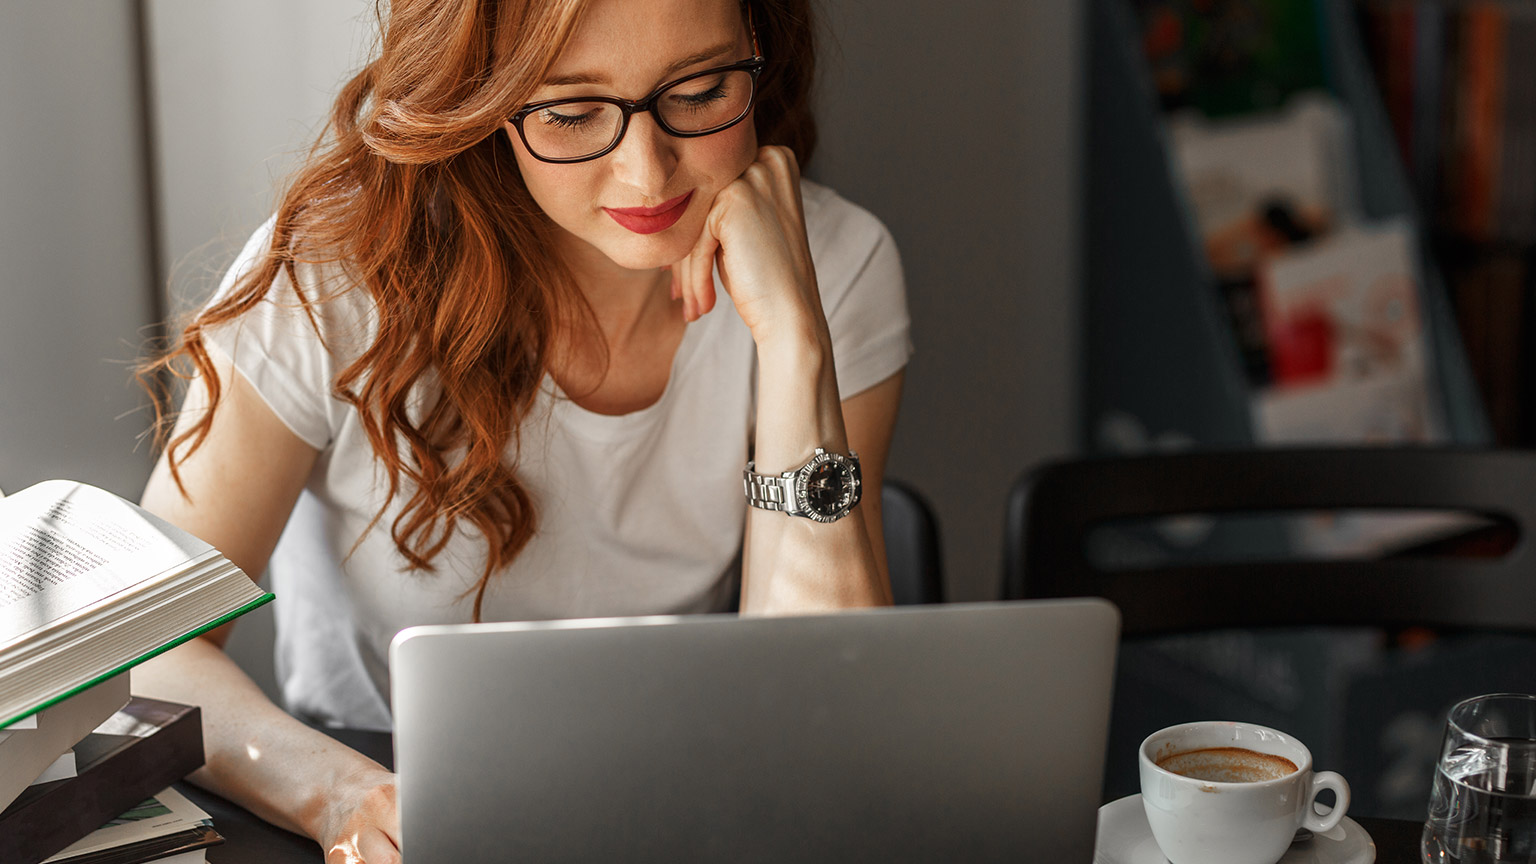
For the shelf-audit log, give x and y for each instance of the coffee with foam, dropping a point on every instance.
(1227, 765)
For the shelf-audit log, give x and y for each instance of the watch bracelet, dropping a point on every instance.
(765, 491)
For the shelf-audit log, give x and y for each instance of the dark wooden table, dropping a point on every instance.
(249, 840)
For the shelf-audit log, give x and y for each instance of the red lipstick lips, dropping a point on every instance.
(649, 220)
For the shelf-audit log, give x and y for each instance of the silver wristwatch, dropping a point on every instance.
(824, 488)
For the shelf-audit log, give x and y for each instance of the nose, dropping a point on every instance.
(646, 158)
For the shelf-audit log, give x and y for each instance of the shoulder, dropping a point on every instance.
(853, 251)
(837, 227)
(319, 277)
(292, 337)
(304, 300)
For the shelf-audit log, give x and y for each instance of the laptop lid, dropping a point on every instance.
(965, 732)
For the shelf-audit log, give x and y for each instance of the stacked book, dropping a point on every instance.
(140, 749)
(165, 828)
(91, 585)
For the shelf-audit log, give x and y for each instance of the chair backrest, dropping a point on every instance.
(911, 545)
(1053, 509)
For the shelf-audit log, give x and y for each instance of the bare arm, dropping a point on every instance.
(756, 232)
(241, 486)
(871, 419)
(800, 565)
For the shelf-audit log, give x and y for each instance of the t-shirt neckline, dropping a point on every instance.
(610, 427)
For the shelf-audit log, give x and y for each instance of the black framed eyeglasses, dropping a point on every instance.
(588, 127)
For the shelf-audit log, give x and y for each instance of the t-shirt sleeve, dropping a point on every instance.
(285, 352)
(863, 290)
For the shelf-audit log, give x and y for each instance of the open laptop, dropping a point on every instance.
(965, 732)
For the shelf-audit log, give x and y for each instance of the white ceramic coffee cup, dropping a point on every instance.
(1208, 822)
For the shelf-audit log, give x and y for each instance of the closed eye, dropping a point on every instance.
(692, 97)
(551, 117)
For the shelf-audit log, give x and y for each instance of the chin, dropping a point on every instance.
(650, 251)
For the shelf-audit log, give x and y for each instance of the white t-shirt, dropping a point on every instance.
(639, 514)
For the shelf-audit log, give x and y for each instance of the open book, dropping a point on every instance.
(91, 585)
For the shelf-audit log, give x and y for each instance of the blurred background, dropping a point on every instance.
(1128, 226)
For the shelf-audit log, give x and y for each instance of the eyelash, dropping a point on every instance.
(565, 121)
(551, 117)
(699, 100)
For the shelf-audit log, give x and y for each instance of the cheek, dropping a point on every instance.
(553, 187)
(725, 155)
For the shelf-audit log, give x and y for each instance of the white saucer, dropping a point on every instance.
(1124, 838)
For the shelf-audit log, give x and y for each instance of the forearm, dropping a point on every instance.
(257, 755)
(792, 564)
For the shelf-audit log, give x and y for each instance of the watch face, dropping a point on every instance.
(828, 487)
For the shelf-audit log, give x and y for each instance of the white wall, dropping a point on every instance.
(239, 90)
(75, 273)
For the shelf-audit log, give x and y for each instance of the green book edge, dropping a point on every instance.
(191, 634)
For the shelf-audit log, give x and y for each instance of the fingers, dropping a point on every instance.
(755, 232)
(344, 852)
(697, 287)
(367, 846)
(370, 827)
(776, 177)
(776, 173)
(377, 848)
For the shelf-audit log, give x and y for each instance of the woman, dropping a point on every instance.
(473, 357)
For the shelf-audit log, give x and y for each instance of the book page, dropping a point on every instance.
(65, 546)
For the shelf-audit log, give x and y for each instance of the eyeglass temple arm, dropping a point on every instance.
(757, 51)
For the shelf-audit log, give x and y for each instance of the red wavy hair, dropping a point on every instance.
(414, 192)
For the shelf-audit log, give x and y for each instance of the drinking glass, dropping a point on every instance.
(1482, 808)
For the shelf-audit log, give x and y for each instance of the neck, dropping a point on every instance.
(630, 308)
(625, 302)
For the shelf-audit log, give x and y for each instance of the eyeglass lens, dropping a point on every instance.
(572, 130)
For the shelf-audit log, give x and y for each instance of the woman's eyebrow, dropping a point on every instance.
(691, 60)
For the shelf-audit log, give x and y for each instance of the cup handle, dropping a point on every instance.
(1320, 781)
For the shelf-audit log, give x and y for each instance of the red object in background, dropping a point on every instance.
(1481, 132)
(1301, 349)
(1164, 34)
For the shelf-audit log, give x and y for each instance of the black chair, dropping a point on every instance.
(1053, 509)
(911, 545)
(1330, 650)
